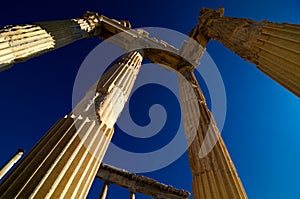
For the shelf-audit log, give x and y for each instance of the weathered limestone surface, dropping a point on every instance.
(21, 42)
(138, 183)
(65, 161)
(214, 175)
(273, 47)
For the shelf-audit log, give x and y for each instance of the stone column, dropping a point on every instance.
(214, 175)
(132, 195)
(273, 47)
(64, 163)
(21, 42)
(11, 162)
(104, 190)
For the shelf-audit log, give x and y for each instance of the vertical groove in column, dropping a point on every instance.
(214, 176)
(95, 167)
(21, 42)
(279, 54)
(128, 73)
(82, 164)
(28, 158)
(87, 162)
(64, 163)
(273, 47)
(19, 178)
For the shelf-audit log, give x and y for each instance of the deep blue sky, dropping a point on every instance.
(262, 124)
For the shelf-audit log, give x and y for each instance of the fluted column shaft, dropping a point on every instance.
(273, 47)
(214, 175)
(65, 161)
(21, 42)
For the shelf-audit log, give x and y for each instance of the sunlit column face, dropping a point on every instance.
(272, 47)
(105, 100)
(65, 162)
(19, 42)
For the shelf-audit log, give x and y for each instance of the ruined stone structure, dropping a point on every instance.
(65, 161)
(21, 42)
(136, 183)
(273, 47)
(214, 175)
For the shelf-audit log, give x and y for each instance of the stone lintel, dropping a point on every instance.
(137, 183)
(157, 51)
